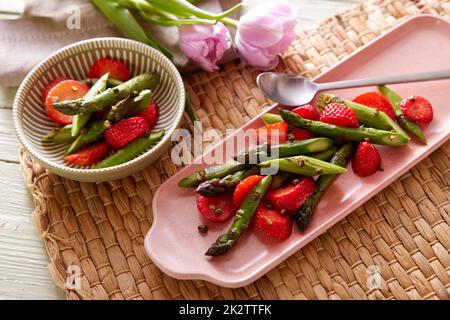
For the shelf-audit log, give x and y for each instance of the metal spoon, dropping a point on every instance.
(293, 90)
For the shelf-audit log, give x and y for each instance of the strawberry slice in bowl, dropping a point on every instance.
(62, 91)
(125, 131)
(116, 68)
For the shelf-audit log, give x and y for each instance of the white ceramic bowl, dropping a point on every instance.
(31, 122)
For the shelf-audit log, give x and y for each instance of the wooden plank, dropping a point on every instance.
(9, 145)
(23, 263)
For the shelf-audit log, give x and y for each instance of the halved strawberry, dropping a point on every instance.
(366, 160)
(151, 114)
(417, 109)
(272, 133)
(88, 155)
(50, 85)
(300, 134)
(215, 209)
(99, 115)
(289, 198)
(125, 131)
(339, 114)
(64, 90)
(272, 223)
(243, 188)
(307, 111)
(377, 101)
(116, 68)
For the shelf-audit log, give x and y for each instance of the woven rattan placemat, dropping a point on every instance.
(401, 236)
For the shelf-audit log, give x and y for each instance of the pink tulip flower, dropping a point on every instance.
(204, 44)
(264, 32)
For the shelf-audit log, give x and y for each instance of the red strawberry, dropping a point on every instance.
(301, 134)
(272, 223)
(376, 100)
(215, 209)
(272, 133)
(243, 188)
(307, 111)
(64, 90)
(417, 109)
(292, 196)
(125, 131)
(366, 160)
(89, 155)
(50, 85)
(116, 68)
(340, 115)
(151, 114)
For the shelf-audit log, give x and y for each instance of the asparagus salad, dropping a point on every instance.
(106, 118)
(313, 145)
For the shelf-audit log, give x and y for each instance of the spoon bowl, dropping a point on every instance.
(289, 90)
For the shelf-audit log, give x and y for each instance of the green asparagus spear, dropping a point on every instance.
(280, 179)
(294, 148)
(80, 120)
(242, 219)
(209, 173)
(324, 155)
(110, 83)
(271, 118)
(376, 136)
(140, 102)
(367, 116)
(303, 165)
(214, 187)
(110, 96)
(59, 135)
(130, 151)
(305, 212)
(395, 99)
(93, 133)
(120, 109)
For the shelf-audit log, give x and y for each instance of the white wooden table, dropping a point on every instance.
(23, 262)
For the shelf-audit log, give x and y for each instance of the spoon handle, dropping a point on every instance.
(403, 78)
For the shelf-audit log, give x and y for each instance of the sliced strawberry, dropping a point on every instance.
(50, 85)
(272, 223)
(377, 101)
(289, 198)
(125, 131)
(307, 111)
(243, 188)
(272, 133)
(89, 155)
(116, 68)
(151, 114)
(215, 209)
(339, 114)
(417, 109)
(366, 160)
(300, 134)
(64, 90)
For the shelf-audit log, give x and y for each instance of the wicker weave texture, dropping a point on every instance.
(401, 236)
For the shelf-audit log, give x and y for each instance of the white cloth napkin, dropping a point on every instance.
(43, 28)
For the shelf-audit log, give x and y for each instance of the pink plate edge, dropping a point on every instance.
(339, 215)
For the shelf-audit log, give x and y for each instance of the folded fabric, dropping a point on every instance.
(46, 26)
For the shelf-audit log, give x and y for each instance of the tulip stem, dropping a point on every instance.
(230, 22)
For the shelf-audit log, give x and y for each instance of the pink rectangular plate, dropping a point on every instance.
(175, 246)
